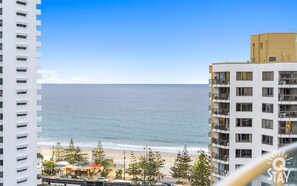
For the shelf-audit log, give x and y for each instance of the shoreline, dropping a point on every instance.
(118, 156)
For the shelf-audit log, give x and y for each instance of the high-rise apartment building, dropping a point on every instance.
(19, 92)
(253, 105)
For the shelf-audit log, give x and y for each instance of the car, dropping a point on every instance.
(166, 184)
(102, 179)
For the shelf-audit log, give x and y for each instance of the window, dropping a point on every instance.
(21, 103)
(1, 127)
(22, 137)
(244, 107)
(22, 126)
(22, 92)
(1, 151)
(21, 70)
(22, 148)
(1, 35)
(267, 92)
(21, 48)
(21, 59)
(244, 76)
(271, 58)
(21, 181)
(1, 174)
(243, 122)
(22, 170)
(21, 14)
(237, 166)
(22, 114)
(1, 58)
(21, 81)
(22, 159)
(20, 36)
(244, 91)
(243, 153)
(21, 25)
(21, 3)
(268, 140)
(1, 139)
(1, 162)
(264, 152)
(244, 138)
(267, 108)
(267, 124)
(268, 76)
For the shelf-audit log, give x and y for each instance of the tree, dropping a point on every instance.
(151, 165)
(119, 174)
(39, 156)
(182, 165)
(80, 157)
(201, 171)
(186, 163)
(70, 152)
(176, 170)
(107, 165)
(133, 169)
(49, 166)
(74, 155)
(98, 154)
(58, 152)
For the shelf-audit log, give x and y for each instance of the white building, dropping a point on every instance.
(253, 105)
(18, 90)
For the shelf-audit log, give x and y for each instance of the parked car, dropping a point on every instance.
(102, 179)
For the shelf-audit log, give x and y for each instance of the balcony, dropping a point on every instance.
(222, 142)
(287, 97)
(219, 81)
(222, 157)
(220, 172)
(221, 96)
(288, 114)
(221, 111)
(218, 126)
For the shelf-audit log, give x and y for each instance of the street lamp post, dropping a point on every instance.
(124, 164)
(145, 162)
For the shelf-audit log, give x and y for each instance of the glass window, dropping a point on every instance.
(244, 91)
(267, 108)
(268, 76)
(267, 92)
(267, 124)
(244, 138)
(244, 76)
(268, 140)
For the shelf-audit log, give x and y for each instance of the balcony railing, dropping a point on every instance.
(219, 81)
(222, 157)
(220, 171)
(223, 142)
(287, 97)
(288, 81)
(221, 96)
(286, 132)
(221, 111)
(221, 126)
(288, 114)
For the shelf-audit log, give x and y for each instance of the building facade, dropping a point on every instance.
(253, 105)
(19, 92)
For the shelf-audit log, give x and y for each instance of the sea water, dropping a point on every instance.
(163, 117)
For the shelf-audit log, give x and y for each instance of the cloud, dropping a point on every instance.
(52, 77)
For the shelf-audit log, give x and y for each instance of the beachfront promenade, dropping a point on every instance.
(80, 182)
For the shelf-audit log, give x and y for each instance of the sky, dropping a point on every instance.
(152, 41)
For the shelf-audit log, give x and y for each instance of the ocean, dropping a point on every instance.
(163, 117)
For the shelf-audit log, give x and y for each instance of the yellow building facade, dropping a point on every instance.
(274, 47)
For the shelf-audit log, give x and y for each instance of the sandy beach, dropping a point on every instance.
(118, 156)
